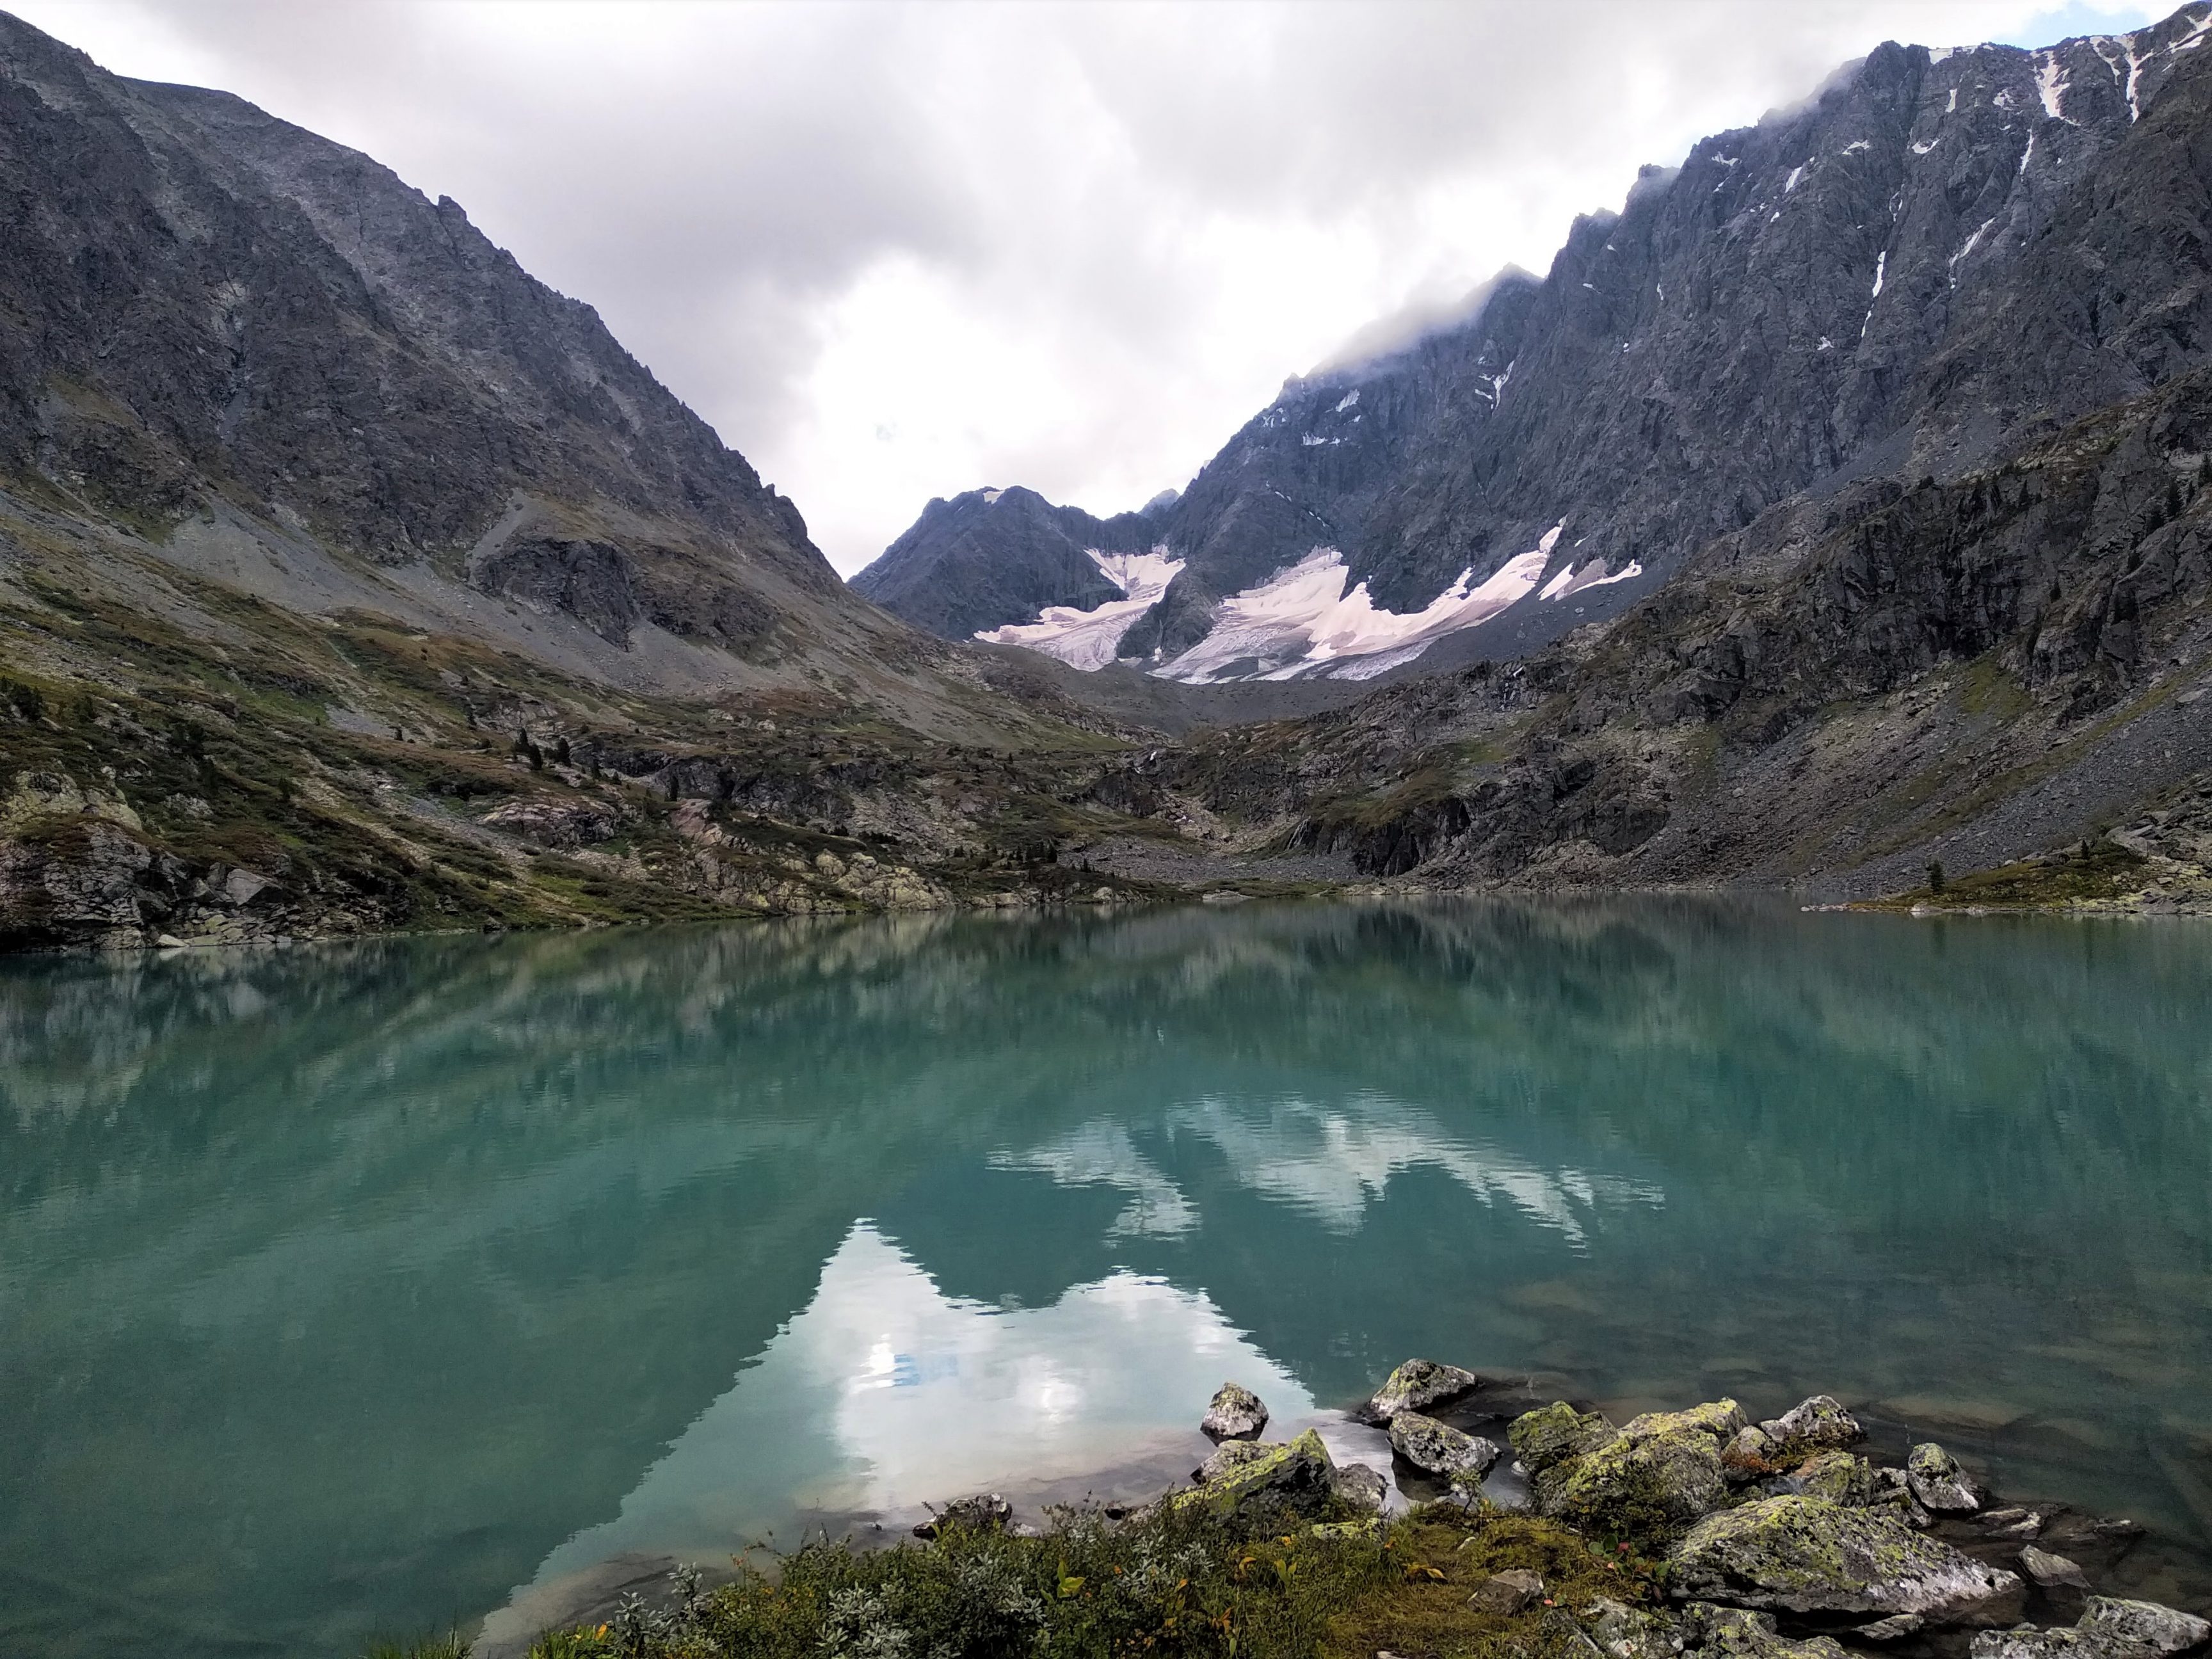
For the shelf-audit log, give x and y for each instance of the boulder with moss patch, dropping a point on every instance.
(1552, 1434)
(1439, 1449)
(1841, 1477)
(2108, 1628)
(1234, 1413)
(1419, 1385)
(1812, 1424)
(1231, 1455)
(1635, 1485)
(1938, 1483)
(1719, 1632)
(1298, 1477)
(1798, 1553)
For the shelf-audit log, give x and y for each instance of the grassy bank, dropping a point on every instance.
(1168, 1582)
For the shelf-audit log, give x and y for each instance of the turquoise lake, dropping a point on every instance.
(345, 1290)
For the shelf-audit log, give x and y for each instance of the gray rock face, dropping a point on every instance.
(1236, 1413)
(1930, 255)
(285, 319)
(1803, 1554)
(1357, 1483)
(2052, 1572)
(1418, 1385)
(1938, 1483)
(1439, 1449)
(1505, 1594)
(2109, 1629)
(1819, 1422)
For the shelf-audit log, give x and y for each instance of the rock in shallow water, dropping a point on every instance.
(1804, 1554)
(1236, 1413)
(1938, 1483)
(1439, 1449)
(1418, 1385)
(1296, 1478)
(983, 1512)
(2108, 1628)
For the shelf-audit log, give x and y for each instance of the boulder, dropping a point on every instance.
(1739, 1633)
(1937, 1482)
(2052, 1572)
(2108, 1628)
(1419, 1385)
(1439, 1449)
(1552, 1434)
(1228, 1455)
(1798, 1553)
(1296, 1478)
(1505, 1594)
(1821, 1421)
(982, 1512)
(1626, 1632)
(1357, 1483)
(1894, 1628)
(1722, 1419)
(2014, 1523)
(1667, 1479)
(1841, 1477)
(1236, 1413)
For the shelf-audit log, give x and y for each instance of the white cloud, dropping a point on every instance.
(897, 252)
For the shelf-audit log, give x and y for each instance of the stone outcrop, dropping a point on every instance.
(1802, 1554)
(2108, 1628)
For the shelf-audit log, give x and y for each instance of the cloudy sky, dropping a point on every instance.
(898, 250)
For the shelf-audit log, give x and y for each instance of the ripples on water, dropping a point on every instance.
(343, 1289)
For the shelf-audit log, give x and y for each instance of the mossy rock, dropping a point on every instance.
(1419, 1385)
(1298, 1479)
(1721, 1418)
(1552, 1434)
(2108, 1628)
(1841, 1477)
(1640, 1486)
(1798, 1553)
(1718, 1632)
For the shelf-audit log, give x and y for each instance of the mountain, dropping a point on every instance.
(351, 578)
(1942, 255)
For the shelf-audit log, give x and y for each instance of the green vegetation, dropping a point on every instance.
(2088, 873)
(1171, 1580)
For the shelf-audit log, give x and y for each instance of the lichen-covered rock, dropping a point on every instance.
(1668, 1477)
(2052, 1572)
(1821, 1421)
(1841, 1477)
(1505, 1594)
(1230, 1455)
(1419, 1385)
(1722, 1419)
(2108, 1628)
(1439, 1449)
(1938, 1483)
(1802, 1554)
(1551, 1434)
(1296, 1478)
(984, 1511)
(1357, 1483)
(1626, 1632)
(1236, 1413)
(1720, 1632)
(1752, 1453)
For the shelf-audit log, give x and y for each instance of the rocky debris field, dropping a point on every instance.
(1535, 1530)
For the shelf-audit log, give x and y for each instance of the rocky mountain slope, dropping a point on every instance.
(351, 578)
(1941, 255)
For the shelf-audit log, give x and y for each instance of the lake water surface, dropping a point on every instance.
(344, 1290)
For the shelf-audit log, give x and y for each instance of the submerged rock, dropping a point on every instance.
(1938, 1483)
(1439, 1449)
(1230, 1455)
(1505, 1594)
(1739, 1633)
(984, 1511)
(1821, 1421)
(1552, 1434)
(2052, 1572)
(1417, 1386)
(1802, 1554)
(1236, 1413)
(1296, 1478)
(2110, 1628)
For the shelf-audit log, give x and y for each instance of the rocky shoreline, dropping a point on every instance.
(1707, 1534)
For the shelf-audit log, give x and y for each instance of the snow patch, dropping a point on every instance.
(2050, 84)
(1593, 575)
(1971, 244)
(1880, 265)
(1951, 108)
(1350, 398)
(1312, 441)
(1089, 639)
(991, 496)
(1797, 177)
(1856, 145)
(1923, 147)
(1302, 621)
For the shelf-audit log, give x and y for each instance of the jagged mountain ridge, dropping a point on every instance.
(1941, 253)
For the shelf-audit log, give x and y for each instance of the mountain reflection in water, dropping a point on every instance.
(345, 1288)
